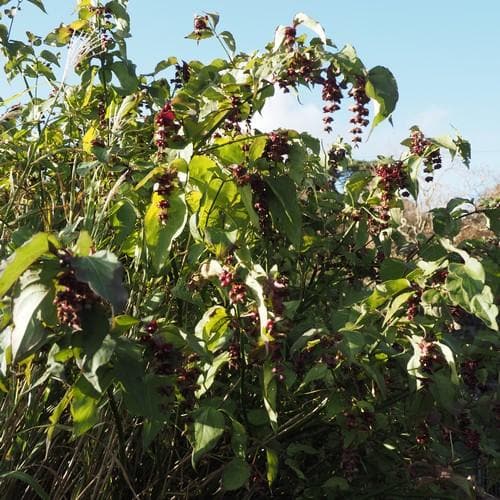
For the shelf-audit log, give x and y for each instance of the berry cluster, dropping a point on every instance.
(349, 462)
(332, 95)
(73, 296)
(238, 293)
(277, 147)
(167, 360)
(468, 370)
(413, 304)
(290, 34)
(418, 142)
(336, 156)
(200, 25)
(432, 162)
(164, 186)
(101, 111)
(182, 75)
(439, 277)
(233, 117)
(277, 290)
(392, 178)
(431, 357)
(260, 193)
(240, 174)
(358, 93)
(432, 159)
(471, 437)
(166, 125)
(237, 290)
(302, 66)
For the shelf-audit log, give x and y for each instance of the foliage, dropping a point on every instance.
(188, 305)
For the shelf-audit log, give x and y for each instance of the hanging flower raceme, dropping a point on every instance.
(166, 125)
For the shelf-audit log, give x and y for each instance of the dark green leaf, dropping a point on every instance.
(285, 208)
(104, 275)
(25, 478)
(208, 429)
(383, 89)
(39, 4)
(235, 475)
(228, 40)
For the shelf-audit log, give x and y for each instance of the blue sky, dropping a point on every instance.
(444, 55)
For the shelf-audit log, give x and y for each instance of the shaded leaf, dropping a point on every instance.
(236, 474)
(103, 273)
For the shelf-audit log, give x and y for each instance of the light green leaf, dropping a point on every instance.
(209, 371)
(269, 392)
(313, 25)
(272, 465)
(28, 332)
(23, 258)
(83, 411)
(213, 328)
(208, 429)
(160, 235)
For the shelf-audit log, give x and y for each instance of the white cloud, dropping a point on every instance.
(453, 180)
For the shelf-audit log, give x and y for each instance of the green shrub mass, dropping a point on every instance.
(191, 307)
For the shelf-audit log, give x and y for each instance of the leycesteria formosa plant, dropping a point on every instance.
(191, 306)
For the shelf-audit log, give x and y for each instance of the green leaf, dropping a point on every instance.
(103, 273)
(201, 170)
(236, 474)
(23, 258)
(257, 148)
(84, 244)
(39, 4)
(493, 216)
(450, 359)
(317, 372)
(83, 410)
(50, 57)
(160, 235)
(396, 304)
(313, 25)
(383, 89)
(229, 152)
(228, 40)
(238, 439)
(356, 183)
(213, 327)
(269, 393)
(285, 208)
(25, 478)
(139, 390)
(125, 72)
(209, 371)
(208, 429)
(272, 465)
(483, 306)
(385, 291)
(246, 197)
(28, 331)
